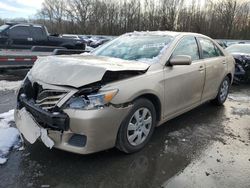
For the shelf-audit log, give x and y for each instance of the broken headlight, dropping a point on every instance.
(92, 101)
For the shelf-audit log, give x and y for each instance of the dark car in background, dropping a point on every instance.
(241, 54)
(99, 42)
(92, 41)
(24, 36)
(222, 43)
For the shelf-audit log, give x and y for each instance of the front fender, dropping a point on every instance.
(132, 88)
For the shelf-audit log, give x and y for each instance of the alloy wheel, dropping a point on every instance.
(224, 90)
(139, 126)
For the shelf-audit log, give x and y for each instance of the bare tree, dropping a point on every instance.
(218, 19)
(54, 11)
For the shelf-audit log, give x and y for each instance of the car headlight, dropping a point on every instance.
(93, 101)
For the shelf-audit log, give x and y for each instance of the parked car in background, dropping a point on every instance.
(87, 38)
(241, 54)
(92, 41)
(71, 36)
(222, 43)
(98, 42)
(119, 93)
(19, 35)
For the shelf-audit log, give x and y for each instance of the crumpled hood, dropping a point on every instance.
(79, 70)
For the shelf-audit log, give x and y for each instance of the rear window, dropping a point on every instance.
(209, 50)
(37, 32)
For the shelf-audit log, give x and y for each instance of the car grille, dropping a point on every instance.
(48, 99)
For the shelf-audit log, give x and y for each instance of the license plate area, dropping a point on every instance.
(30, 129)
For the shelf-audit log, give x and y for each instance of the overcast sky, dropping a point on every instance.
(19, 8)
(27, 8)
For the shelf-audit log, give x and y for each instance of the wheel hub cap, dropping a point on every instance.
(224, 90)
(139, 126)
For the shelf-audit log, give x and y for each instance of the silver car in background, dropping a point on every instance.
(116, 95)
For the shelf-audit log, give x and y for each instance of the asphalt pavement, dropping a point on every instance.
(206, 147)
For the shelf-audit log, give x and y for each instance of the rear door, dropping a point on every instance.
(39, 36)
(216, 67)
(20, 36)
(184, 83)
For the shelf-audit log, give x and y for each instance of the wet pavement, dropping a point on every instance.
(206, 147)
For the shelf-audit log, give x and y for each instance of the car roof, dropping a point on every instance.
(23, 24)
(170, 33)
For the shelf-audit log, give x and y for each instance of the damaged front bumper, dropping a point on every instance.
(77, 131)
(56, 120)
(90, 130)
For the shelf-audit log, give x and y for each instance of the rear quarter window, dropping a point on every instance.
(37, 32)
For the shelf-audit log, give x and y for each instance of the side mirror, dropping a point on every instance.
(181, 60)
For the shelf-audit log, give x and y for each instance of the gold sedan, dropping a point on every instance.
(116, 95)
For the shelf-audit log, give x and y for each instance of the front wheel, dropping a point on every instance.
(137, 127)
(223, 92)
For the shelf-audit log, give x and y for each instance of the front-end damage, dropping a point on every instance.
(77, 119)
(41, 104)
(242, 68)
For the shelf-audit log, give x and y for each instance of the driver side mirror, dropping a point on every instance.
(180, 60)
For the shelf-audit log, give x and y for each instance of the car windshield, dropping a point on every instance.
(245, 48)
(135, 47)
(3, 27)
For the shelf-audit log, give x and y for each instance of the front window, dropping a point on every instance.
(139, 47)
(187, 46)
(19, 32)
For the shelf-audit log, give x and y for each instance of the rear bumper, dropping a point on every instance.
(88, 131)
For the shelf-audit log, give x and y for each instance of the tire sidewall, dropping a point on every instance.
(124, 144)
(218, 96)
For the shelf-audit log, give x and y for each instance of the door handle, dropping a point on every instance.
(201, 68)
(224, 62)
(30, 39)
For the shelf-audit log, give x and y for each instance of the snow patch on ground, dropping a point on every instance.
(241, 111)
(9, 136)
(9, 85)
(5, 118)
(239, 97)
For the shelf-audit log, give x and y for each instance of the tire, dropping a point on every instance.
(223, 92)
(136, 130)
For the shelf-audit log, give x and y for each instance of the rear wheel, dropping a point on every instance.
(137, 127)
(223, 92)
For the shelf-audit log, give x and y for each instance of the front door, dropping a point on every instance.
(184, 83)
(20, 37)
